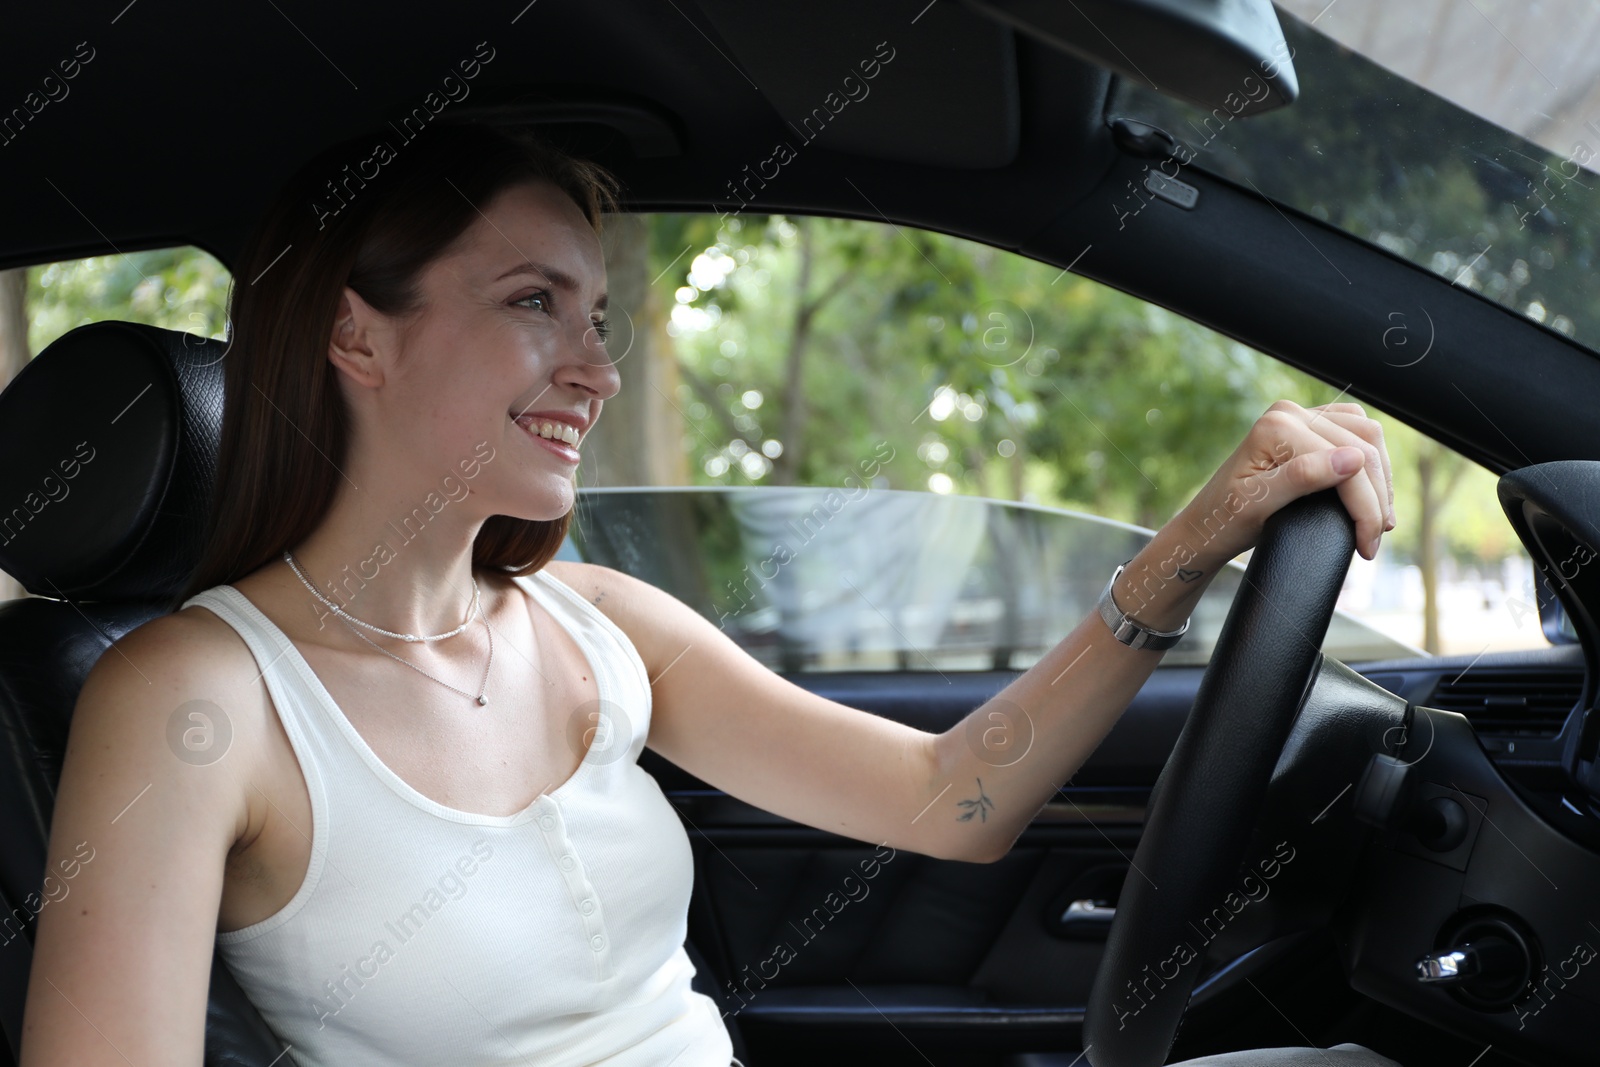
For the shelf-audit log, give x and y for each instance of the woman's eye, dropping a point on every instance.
(542, 296)
(603, 328)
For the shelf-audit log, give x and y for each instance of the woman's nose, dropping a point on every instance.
(594, 366)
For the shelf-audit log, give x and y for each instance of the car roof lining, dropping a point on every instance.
(113, 162)
(952, 100)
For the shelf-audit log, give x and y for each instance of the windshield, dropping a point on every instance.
(1499, 198)
(863, 578)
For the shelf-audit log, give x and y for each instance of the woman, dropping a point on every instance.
(406, 807)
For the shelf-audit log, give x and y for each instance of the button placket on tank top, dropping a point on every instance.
(585, 901)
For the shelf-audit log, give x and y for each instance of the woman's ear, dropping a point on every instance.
(355, 343)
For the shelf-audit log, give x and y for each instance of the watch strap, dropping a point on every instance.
(1130, 631)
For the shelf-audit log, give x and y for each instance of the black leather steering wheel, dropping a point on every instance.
(1208, 798)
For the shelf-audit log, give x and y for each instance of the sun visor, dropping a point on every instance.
(935, 86)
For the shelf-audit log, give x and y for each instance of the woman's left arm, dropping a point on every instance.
(967, 793)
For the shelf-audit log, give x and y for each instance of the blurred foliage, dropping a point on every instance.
(987, 373)
(178, 288)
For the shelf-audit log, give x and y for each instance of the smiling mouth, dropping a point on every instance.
(549, 429)
(558, 437)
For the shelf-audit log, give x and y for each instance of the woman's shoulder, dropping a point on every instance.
(617, 596)
(193, 644)
(654, 620)
(588, 580)
(159, 687)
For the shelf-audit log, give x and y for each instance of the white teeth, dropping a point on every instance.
(555, 431)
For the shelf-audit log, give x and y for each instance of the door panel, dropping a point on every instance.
(821, 939)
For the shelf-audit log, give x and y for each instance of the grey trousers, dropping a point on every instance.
(1346, 1055)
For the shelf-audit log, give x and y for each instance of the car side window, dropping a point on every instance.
(181, 288)
(847, 357)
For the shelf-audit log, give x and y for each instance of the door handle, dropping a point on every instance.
(1083, 909)
(1085, 916)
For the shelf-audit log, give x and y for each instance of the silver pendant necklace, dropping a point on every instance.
(476, 610)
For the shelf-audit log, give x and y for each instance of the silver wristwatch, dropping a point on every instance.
(1129, 631)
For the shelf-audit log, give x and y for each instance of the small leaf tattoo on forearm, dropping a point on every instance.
(1187, 575)
(979, 807)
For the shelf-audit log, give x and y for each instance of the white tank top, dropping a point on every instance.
(427, 935)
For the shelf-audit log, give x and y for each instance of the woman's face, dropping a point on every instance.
(508, 342)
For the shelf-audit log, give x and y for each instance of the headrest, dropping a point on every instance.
(109, 438)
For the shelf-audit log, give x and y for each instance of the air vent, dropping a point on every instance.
(1510, 703)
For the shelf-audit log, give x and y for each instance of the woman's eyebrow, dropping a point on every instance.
(558, 278)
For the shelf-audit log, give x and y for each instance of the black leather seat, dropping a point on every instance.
(110, 439)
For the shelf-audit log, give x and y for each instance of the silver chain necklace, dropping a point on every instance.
(348, 618)
(337, 610)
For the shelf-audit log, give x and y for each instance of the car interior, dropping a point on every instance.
(1271, 848)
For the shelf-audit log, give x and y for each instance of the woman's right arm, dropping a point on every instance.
(138, 844)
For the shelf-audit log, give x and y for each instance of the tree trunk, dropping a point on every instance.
(1019, 470)
(979, 470)
(793, 425)
(1438, 473)
(1428, 552)
(14, 355)
(638, 438)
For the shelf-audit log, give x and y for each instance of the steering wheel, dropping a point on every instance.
(1208, 798)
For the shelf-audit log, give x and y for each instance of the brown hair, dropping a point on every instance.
(285, 428)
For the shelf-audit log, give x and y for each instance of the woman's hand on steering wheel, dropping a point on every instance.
(1292, 451)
